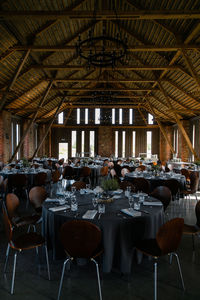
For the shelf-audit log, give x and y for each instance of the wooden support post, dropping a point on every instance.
(16, 74)
(68, 115)
(161, 127)
(178, 121)
(48, 128)
(190, 67)
(32, 120)
(141, 114)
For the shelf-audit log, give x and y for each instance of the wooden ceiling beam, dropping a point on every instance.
(190, 67)
(103, 15)
(125, 90)
(130, 48)
(179, 123)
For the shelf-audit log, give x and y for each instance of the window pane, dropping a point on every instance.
(92, 143)
(73, 143)
(149, 144)
(193, 139)
(123, 143)
(116, 143)
(130, 116)
(60, 118)
(120, 116)
(150, 119)
(78, 115)
(63, 151)
(17, 138)
(97, 115)
(86, 115)
(113, 115)
(133, 144)
(82, 143)
(12, 138)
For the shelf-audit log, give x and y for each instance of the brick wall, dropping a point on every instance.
(165, 151)
(5, 136)
(105, 141)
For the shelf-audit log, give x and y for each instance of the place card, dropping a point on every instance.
(52, 200)
(58, 208)
(131, 212)
(90, 214)
(152, 203)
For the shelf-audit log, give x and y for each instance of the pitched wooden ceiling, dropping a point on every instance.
(40, 69)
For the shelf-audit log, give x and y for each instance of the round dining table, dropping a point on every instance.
(120, 231)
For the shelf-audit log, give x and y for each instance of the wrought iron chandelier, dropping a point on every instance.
(102, 50)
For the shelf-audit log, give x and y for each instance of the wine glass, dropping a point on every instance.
(130, 201)
(94, 202)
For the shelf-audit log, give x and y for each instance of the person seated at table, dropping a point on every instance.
(105, 162)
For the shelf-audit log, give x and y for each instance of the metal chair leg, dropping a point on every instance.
(6, 261)
(13, 275)
(47, 259)
(155, 280)
(179, 267)
(170, 258)
(98, 277)
(62, 276)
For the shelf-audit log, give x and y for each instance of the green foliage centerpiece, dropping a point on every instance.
(109, 185)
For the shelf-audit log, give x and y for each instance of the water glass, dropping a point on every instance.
(141, 198)
(136, 202)
(130, 201)
(94, 201)
(101, 208)
(128, 191)
(73, 189)
(74, 203)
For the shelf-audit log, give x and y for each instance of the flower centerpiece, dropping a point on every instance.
(109, 185)
(155, 168)
(25, 162)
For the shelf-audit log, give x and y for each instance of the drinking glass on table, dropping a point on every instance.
(130, 201)
(74, 204)
(94, 201)
(73, 189)
(136, 202)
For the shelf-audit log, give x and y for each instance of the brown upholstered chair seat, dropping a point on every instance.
(28, 241)
(27, 220)
(149, 247)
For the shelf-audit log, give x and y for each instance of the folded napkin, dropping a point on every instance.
(52, 200)
(131, 212)
(119, 191)
(90, 214)
(58, 208)
(152, 203)
(116, 197)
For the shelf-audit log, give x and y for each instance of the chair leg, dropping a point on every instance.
(6, 261)
(47, 259)
(13, 275)
(98, 277)
(179, 267)
(62, 276)
(155, 280)
(170, 258)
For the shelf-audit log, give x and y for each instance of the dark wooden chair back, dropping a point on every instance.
(7, 224)
(169, 235)
(173, 185)
(124, 184)
(37, 196)
(18, 180)
(12, 203)
(40, 179)
(55, 176)
(80, 238)
(141, 184)
(163, 194)
(85, 172)
(68, 172)
(194, 182)
(141, 168)
(61, 161)
(104, 171)
(186, 173)
(79, 185)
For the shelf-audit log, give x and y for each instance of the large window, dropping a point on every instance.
(150, 119)
(97, 115)
(92, 143)
(116, 143)
(86, 115)
(133, 144)
(120, 116)
(176, 141)
(123, 143)
(78, 119)
(15, 138)
(130, 116)
(82, 143)
(60, 118)
(193, 139)
(113, 115)
(149, 143)
(73, 143)
(63, 151)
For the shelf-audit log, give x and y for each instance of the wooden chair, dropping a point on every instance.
(55, 176)
(23, 242)
(193, 230)
(163, 194)
(19, 184)
(124, 184)
(104, 171)
(68, 173)
(85, 173)
(141, 184)
(40, 179)
(174, 187)
(141, 168)
(194, 183)
(186, 173)
(80, 232)
(79, 185)
(166, 242)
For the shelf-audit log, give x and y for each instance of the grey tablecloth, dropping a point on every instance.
(119, 232)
